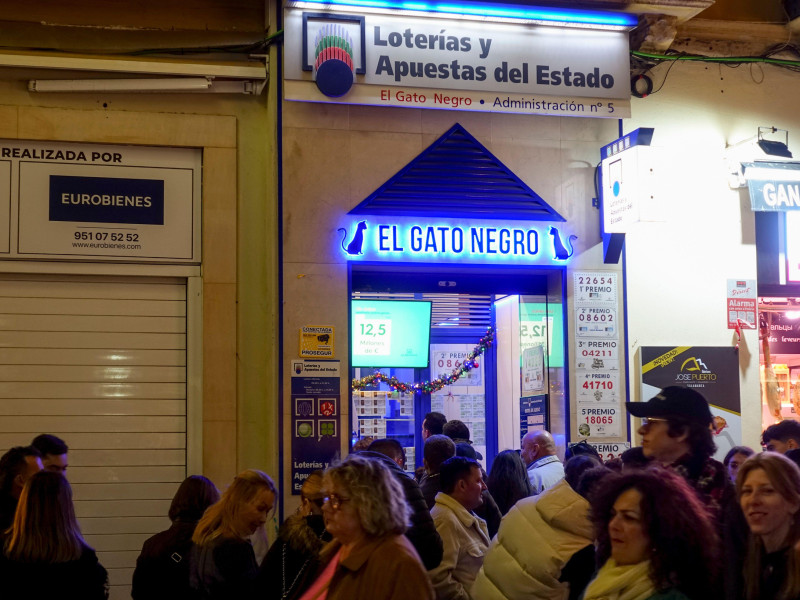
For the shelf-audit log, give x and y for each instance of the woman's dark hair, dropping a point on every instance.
(700, 440)
(581, 448)
(508, 480)
(576, 466)
(193, 497)
(683, 541)
(746, 450)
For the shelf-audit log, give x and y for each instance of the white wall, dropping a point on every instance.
(677, 269)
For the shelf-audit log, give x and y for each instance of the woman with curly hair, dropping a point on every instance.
(223, 564)
(768, 486)
(655, 539)
(366, 513)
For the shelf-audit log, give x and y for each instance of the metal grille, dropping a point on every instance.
(447, 310)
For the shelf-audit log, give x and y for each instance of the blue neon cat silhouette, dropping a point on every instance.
(355, 246)
(560, 251)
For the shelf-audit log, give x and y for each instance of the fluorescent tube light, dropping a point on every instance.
(176, 84)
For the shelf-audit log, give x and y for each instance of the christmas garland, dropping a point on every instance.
(437, 384)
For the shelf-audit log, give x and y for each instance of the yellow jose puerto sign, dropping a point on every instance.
(316, 342)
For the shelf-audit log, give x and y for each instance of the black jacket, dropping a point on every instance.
(224, 569)
(422, 533)
(292, 562)
(162, 569)
(84, 578)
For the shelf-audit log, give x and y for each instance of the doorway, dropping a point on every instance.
(506, 323)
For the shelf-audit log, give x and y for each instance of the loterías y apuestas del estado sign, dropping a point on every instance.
(401, 60)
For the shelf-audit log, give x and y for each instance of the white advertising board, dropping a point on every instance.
(90, 202)
(403, 60)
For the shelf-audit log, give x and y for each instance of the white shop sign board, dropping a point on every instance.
(422, 62)
(93, 202)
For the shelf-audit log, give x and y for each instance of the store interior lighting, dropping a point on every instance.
(505, 13)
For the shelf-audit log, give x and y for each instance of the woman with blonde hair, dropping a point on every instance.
(366, 513)
(768, 487)
(44, 554)
(292, 561)
(223, 564)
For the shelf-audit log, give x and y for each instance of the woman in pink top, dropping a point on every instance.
(369, 558)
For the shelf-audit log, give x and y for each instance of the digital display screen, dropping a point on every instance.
(390, 333)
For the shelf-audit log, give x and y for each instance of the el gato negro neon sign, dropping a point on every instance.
(484, 243)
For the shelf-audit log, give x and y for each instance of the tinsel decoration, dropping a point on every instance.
(436, 384)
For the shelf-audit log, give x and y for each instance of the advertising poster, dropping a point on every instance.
(316, 342)
(711, 370)
(597, 355)
(601, 420)
(741, 302)
(315, 417)
(85, 201)
(532, 414)
(533, 369)
(611, 450)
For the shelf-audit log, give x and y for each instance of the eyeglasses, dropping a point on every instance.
(649, 420)
(318, 502)
(335, 500)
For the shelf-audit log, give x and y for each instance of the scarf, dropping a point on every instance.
(627, 582)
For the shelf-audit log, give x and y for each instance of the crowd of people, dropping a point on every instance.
(664, 521)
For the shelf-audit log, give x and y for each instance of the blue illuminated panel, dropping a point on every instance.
(474, 242)
(560, 16)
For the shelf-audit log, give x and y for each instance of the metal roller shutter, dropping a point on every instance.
(101, 363)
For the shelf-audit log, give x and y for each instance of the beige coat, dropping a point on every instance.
(536, 539)
(466, 540)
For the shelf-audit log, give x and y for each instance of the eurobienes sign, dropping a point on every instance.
(411, 240)
(392, 60)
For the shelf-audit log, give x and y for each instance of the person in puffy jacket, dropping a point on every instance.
(541, 539)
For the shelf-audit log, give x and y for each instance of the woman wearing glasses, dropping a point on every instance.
(655, 539)
(369, 558)
(223, 564)
(768, 486)
(292, 561)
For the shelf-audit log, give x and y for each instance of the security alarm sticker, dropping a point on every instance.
(316, 342)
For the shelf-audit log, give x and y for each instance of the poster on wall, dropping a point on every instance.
(597, 355)
(742, 297)
(532, 414)
(315, 418)
(711, 370)
(89, 202)
(316, 341)
(533, 369)
(601, 420)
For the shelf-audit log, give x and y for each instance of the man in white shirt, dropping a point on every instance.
(464, 534)
(539, 454)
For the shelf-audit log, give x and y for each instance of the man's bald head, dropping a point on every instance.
(535, 445)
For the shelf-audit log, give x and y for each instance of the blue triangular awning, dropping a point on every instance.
(457, 177)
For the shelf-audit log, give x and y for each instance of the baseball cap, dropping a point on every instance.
(674, 402)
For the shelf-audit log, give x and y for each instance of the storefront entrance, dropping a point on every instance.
(493, 354)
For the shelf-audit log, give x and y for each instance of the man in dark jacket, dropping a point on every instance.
(422, 532)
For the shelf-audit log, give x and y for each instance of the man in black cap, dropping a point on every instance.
(676, 432)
